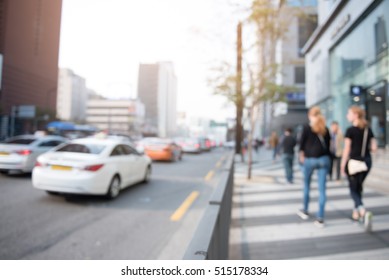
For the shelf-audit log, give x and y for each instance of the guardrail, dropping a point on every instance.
(211, 238)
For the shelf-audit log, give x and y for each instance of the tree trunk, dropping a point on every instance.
(250, 141)
(239, 101)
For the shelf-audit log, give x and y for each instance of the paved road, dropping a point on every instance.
(136, 225)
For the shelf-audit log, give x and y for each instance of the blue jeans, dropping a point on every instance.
(288, 164)
(322, 164)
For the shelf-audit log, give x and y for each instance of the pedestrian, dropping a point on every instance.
(358, 144)
(255, 145)
(336, 149)
(288, 144)
(314, 155)
(273, 143)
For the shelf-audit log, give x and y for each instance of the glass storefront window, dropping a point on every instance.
(362, 59)
(302, 3)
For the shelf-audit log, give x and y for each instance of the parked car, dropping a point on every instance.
(190, 145)
(91, 166)
(19, 153)
(163, 149)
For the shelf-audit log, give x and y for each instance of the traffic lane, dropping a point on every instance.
(144, 238)
(136, 225)
(153, 237)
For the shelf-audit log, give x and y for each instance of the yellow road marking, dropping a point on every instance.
(180, 212)
(209, 175)
(219, 163)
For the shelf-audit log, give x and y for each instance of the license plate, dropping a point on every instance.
(4, 154)
(60, 167)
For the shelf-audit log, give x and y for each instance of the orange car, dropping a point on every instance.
(163, 149)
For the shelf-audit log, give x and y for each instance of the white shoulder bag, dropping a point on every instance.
(357, 166)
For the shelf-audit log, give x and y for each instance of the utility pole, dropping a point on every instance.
(239, 96)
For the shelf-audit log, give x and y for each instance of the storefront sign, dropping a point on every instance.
(342, 23)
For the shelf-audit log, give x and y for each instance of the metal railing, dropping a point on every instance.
(211, 238)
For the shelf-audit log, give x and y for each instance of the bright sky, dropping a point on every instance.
(105, 40)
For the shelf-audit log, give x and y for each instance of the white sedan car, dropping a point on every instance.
(91, 166)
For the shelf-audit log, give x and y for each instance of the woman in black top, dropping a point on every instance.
(353, 150)
(315, 154)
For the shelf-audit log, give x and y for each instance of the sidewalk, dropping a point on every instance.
(265, 224)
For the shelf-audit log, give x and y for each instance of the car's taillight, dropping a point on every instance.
(40, 164)
(167, 149)
(93, 168)
(24, 152)
(197, 145)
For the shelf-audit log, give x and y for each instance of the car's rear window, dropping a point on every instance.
(159, 142)
(82, 148)
(20, 141)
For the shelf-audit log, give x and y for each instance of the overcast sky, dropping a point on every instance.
(105, 40)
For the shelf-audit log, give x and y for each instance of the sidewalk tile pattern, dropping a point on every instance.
(265, 224)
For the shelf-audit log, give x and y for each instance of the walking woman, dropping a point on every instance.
(273, 143)
(314, 154)
(358, 145)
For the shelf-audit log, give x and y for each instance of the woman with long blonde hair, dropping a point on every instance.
(315, 155)
(358, 144)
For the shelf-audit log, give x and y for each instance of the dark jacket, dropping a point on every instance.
(313, 145)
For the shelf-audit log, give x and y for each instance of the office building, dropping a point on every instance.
(301, 20)
(157, 89)
(116, 116)
(347, 62)
(29, 45)
(72, 96)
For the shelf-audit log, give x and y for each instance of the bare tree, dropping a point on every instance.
(271, 19)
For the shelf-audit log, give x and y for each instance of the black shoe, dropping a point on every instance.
(303, 214)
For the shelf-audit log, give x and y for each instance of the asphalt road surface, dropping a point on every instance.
(146, 221)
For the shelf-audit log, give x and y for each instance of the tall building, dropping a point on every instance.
(29, 44)
(72, 96)
(157, 89)
(301, 18)
(347, 60)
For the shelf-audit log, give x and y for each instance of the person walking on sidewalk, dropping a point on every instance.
(314, 154)
(358, 145)
(288, 144)
(273, 143)
(336, 149)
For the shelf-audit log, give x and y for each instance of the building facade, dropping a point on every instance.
(29, 45)
(157, 89)
(347, 62)
(72, 96)
(301, 18)
(116, 116)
